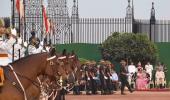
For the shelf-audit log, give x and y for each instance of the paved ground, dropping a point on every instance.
(137, 95)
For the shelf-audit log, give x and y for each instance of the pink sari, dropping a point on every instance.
(141, 82)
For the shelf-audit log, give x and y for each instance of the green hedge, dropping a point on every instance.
(164, 56)
(86, 51)
(92, 52)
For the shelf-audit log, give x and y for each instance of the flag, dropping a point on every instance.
(20, 8)
(46, 20)
(51, 26)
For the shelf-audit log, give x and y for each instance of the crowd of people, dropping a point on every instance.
(103, 77)
(147, 76)
(98, 77)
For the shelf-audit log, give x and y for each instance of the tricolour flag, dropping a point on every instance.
(20, 8)
(46, 20)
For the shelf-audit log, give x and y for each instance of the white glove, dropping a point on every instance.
(105, 77)
(88, 78)
(19, 40)
(95, 78)
(25, 44)
(47, 48)
(41, 43)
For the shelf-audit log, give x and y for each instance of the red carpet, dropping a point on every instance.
(155, 90)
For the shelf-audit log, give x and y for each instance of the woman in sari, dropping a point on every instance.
(141, 81)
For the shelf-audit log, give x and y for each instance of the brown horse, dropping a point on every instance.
(56, 70)
(76, 66)
(27, 70)
(71, 64)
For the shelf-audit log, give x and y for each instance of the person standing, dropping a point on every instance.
(131, 70)
(124, 77)
(149, 69)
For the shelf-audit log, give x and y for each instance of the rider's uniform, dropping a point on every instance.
(6, 49)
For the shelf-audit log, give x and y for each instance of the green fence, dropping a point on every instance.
(92, 52)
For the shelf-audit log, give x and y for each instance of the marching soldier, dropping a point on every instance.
(124, 77)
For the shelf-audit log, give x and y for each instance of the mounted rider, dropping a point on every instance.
(34, 44)
(6, 46)
(33, 40)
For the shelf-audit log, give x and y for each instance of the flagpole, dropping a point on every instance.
(13, 25)
(24, 23)
(42, 33)
(19, 35)
(13, 13)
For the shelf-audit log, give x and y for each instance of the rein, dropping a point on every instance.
(12, 69)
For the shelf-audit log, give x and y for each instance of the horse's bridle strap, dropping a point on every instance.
(63, 57)
(51, 58)
(25, 97)
(71, 56)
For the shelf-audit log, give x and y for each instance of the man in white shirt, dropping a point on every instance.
(131, 71)
(115, 80)
(149, 69)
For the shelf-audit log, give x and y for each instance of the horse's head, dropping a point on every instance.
(73, 66)
(75, 63)
(64, 62)
(54, 69)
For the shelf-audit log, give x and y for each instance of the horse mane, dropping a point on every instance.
(22, 60)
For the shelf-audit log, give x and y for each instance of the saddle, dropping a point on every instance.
(3, 58)
(1, 77)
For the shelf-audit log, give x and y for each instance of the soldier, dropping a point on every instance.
(7, 45)
(87, 78)
(123, 77)
(33, 40)
(108, 82)
(34, 44)
(102, 77)
(93, 77)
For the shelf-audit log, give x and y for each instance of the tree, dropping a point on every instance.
(130, 46)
